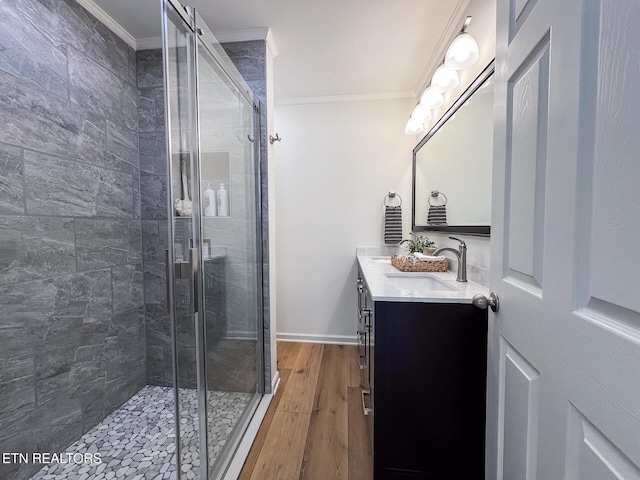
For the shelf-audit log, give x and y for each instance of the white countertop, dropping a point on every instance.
(386, 283)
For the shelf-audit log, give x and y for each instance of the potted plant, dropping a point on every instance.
(419, 243)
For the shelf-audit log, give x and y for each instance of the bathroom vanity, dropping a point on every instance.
(422, 346)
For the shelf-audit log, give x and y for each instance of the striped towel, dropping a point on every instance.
(437, 215)
(392, 225)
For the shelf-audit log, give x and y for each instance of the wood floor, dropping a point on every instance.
(314, 428)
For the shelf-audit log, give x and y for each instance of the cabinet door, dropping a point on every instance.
(429, 391)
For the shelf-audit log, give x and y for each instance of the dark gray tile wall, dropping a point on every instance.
(72, 333)
(153, 186)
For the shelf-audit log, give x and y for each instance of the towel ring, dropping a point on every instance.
(392, 195)
(436, 194)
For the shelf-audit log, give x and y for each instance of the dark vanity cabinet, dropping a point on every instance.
(428, 389)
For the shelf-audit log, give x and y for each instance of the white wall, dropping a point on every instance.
(272, 52)
(334, 166)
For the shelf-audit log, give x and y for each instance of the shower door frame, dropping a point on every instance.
(205, 38)
(198, 28)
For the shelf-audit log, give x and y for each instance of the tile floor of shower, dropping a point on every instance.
(137, 441)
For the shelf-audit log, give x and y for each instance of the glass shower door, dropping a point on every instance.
(182, 256)
(232, 265)
(215, 257)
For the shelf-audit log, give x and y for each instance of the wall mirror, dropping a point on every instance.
(452, 166)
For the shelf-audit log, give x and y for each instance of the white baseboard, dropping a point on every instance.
(275, 382)
(317, 338)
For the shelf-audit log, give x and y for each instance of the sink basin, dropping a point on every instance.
(381, 260)
(419, 282)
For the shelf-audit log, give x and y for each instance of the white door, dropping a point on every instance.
(564, 348)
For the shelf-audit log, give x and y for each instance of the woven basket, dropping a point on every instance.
(406, 264)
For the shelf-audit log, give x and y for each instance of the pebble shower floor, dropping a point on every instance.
(137, 441)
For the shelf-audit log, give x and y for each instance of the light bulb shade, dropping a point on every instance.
(421, 114)
(413, 127)
(444, 79)
(462, 53)
(432, 98)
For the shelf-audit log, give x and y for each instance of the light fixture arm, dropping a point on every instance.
(466, 23)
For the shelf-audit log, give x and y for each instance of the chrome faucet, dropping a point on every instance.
(461, 253)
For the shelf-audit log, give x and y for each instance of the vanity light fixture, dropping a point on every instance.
(419, 117)
(421, 114)
(432, 98)
(413, 127)
(463, 51)
(445, 79)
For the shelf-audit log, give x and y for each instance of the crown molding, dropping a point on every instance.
(363, 97)
(437, 54)
(150, 43)
(109, 22)
(271, 44)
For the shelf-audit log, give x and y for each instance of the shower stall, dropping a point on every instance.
(213, 126)
(132, 227)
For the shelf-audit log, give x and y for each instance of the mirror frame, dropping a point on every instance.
(477, 230)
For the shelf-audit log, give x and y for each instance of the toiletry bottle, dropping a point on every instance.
(210, 201)
(223, 201)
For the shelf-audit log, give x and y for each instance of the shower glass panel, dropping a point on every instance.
(182, 254)
(215, 256)
(232, 267)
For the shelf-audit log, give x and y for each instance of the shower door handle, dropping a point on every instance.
(167, 279)
(193, 279)
(189, 271)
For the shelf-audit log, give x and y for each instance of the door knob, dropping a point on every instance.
(483, 302)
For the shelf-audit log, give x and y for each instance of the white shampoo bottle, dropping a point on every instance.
(210, 201)
(223, 201)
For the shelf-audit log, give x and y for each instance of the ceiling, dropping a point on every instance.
(326, 48)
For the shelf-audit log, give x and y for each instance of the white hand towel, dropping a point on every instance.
(429, 258)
